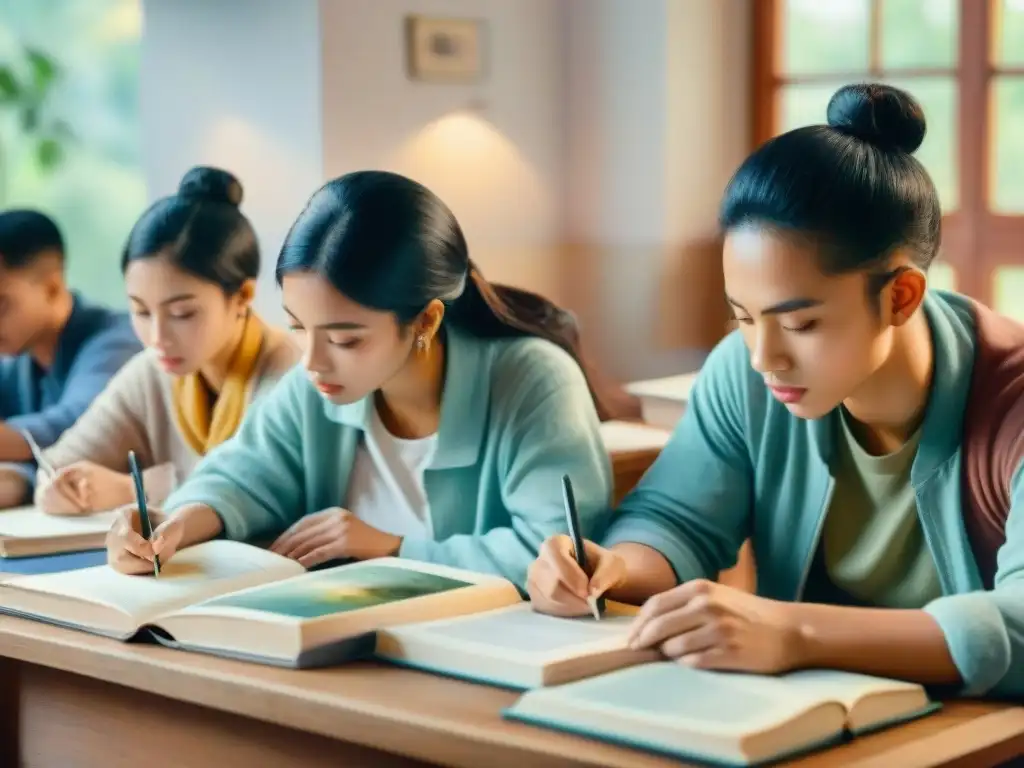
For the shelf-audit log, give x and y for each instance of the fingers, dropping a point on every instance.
(302, 540)
(71, 486)
(166, 538)
(555, 583)
(317, 555)
(690, 646)
(609, 572)
(557, 553)
(127, 551)
(286, 541)
(672, 613)
(315, 538)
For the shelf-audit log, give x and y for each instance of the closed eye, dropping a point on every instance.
(810, 325)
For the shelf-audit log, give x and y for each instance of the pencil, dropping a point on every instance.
(140, 500)
(572, 517)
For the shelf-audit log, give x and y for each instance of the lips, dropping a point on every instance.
(788, 395)
(329, 389)
(170, 362)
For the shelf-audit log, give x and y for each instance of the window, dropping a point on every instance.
(964, 61)
(69, 127)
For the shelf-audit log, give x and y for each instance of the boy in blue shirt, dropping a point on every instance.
(57, 352)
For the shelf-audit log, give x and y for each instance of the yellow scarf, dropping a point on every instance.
(204, 426)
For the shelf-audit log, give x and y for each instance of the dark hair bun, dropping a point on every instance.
(212, 184)
(881, 115)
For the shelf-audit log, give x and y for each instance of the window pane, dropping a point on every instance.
(1010, 35)
(919, 33)
(942, 276)
(79, 161)
(938, 153)
(1009, 291)
(805, 105)
(1008, 149)
(819, 36)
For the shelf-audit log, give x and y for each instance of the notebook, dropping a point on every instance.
(232, 599)
(720, 717)
(27, 531)
(514, 646)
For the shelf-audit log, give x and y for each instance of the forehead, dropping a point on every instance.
(12, 279)
(763, 268)
(311, 298)
(156, 277)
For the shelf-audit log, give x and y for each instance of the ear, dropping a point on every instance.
(906, 294)
(245, 296)
(429, 321)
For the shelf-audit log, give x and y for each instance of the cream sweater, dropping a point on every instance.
(136, 413)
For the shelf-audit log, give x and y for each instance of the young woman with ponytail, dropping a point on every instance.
(433, 416)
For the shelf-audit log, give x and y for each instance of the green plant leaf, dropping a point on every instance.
(49, 154)
(9, 88)
(44, 70)
(30, 118)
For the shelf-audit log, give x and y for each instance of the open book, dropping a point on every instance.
(27, 531)
(515, 647)
(720, 717)
(232, 599)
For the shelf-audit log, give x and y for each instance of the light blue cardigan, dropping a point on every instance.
(516, 415)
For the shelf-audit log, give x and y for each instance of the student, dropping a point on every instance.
(433, 417)
(190, 267)
(58, 350)
(865, 432)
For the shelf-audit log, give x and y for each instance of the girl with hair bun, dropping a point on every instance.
(862, 430)
(190, 267)
(433, 416)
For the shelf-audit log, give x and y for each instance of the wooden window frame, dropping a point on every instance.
(976, 241)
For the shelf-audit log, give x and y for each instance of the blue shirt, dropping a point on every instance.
(93, 345)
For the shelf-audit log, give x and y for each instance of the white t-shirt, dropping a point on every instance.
(386, 485)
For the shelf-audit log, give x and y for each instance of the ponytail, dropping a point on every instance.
(495, 311)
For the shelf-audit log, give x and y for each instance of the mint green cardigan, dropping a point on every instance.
(516, 415)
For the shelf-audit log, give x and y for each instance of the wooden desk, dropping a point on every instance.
(73, 700)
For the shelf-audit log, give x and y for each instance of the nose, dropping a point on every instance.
(313, 354)
(766, 353)
(157, 333)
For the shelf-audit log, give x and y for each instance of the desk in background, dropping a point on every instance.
(663, 401)
(73, 700)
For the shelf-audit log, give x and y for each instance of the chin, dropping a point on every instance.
(809, 411)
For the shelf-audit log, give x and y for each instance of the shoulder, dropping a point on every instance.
(994, 418)
(102, 328)
(728, 380)
(532, 369)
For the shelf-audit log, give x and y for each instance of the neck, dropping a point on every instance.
(410, 404)
(890, 406)
(216, 370)
(43, 348)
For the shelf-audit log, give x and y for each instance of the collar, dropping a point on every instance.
(464, 402)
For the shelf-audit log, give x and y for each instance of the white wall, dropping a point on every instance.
(492, 151)
(236, 83)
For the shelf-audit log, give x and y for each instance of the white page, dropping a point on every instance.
(522, 630)
(204, 570)
(31, 523)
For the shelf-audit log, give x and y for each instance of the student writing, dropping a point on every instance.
(433, 416)
(58, 351)
(190, 267)
(864, 431)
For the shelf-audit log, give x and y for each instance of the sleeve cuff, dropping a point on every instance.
(977, 639)
(684, 564)
(416, 549)
(236, 527)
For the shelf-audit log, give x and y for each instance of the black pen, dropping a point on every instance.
(573, 519)
(140, 500)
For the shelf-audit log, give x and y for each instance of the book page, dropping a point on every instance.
(31, 523)
(845, 687)
(522, 630)
(195, 573)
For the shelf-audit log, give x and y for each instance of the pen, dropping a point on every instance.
(140, 498)
(37, 454)
(573, 519)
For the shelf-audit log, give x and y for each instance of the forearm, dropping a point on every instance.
(648, 573)
(12, 445)
(199, 523)
(903, 644)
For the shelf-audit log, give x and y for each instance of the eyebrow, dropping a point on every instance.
(340, 326)
(790, 305)
(171, 300)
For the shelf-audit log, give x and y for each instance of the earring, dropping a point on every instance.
(421, 343)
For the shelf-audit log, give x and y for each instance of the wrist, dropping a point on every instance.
(396, 542)
(802, 643)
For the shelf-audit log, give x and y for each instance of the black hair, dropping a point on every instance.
(201, 230)
(852, 186)
(389, 243)
(25, 236)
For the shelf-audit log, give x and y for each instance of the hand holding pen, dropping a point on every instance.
(140, 500)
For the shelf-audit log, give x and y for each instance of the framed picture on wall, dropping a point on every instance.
(444, 50)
